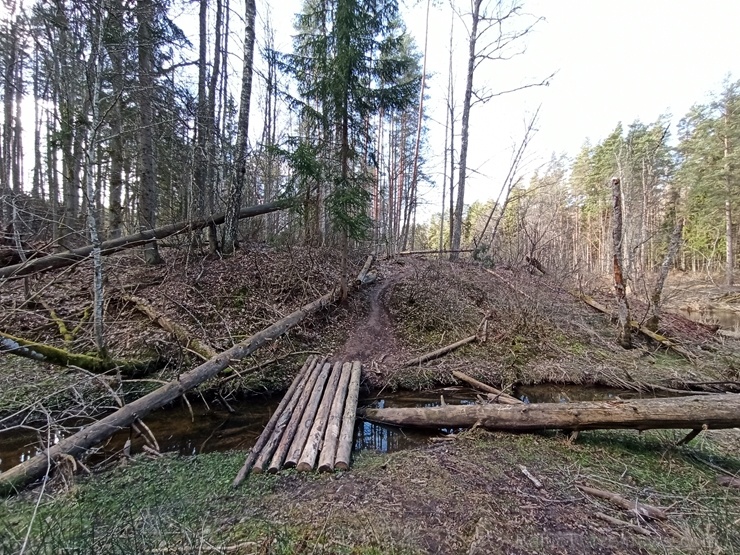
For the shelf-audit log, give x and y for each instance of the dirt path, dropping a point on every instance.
(373, 342)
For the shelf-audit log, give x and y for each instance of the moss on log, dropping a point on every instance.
(54, 355)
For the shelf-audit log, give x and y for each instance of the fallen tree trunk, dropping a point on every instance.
(439, 352)
(501, 397)
(365, 269)
(636, 325)
(432, 251)
(114, 245)
(714, 411)
(35, 467)
(54, 355)
(180, 333)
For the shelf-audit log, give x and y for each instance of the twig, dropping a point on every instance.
(618, 522)
(531, 477)
(640, 509)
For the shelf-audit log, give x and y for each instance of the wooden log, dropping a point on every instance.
(68, 258)
(287, 440)
(432, 251)
(346, 436)
(500, 395)
(334, 424)
(299, 441)
(35, 467)
(273, 424)
(365, 269)
(641, 509)
(54, 355)
(439, 352)
(181, 334)
(714, 411)
(316, 435)
(593, 303)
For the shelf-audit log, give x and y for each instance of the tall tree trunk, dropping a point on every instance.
(94, 85)
(115, 49)
(212, 152)
(200, 157)
(419, 124)
(624, 332)
(6, 149)
(147, 170)
(730, 251)
(231, 227)
(457, 227)
(17, 154)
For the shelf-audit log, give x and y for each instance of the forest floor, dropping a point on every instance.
(466, 494)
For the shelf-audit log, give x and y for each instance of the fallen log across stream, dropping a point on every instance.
(36, 467)
(695, 412)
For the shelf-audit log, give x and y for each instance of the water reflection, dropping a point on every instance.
(725, 318)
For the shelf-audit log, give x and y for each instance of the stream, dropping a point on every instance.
(212, 428)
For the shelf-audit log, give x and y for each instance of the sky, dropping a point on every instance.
(613, 62)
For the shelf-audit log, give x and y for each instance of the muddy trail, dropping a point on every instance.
(373, 341)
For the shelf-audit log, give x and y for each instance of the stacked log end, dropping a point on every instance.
(315, 420)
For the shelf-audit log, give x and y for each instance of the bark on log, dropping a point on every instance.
(347, 435)
(287, 440)
(299, 441)
(181, 334)
(500, 395)
(274, 422)
(334, 424)
(714, 411)
(439, 352)
(46, 353)
(286, 414)
(316, 435)
(365, 269)
(34, 468)
(114, 245)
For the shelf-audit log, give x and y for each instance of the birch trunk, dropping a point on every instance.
(236, 188)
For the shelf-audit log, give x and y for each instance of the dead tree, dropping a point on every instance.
(624, 330)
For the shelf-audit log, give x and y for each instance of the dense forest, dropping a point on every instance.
(134, 125)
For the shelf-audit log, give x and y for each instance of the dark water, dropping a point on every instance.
(211, 428)
(724, 318)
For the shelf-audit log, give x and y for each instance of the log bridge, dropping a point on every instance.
(314, 422)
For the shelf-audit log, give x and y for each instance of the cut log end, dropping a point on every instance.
(304, 467)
